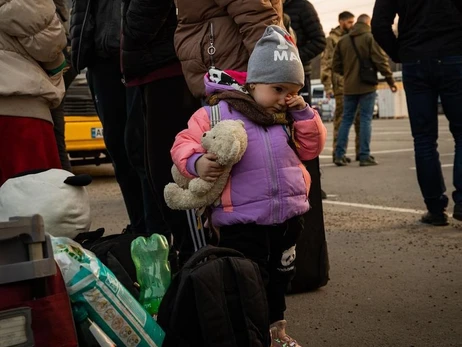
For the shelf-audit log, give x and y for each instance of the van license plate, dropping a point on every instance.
(96, 133)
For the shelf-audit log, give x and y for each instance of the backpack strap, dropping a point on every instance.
(208, 251)
(215, 115)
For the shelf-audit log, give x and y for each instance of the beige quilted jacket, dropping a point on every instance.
(31, 59)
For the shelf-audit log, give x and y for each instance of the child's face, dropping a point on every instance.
(273, 97)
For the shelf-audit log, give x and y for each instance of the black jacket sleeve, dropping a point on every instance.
(82, 32)
(382, 26)
(314, 34)
(144, 19)
(458, 4)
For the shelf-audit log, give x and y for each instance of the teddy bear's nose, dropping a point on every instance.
(204, 135)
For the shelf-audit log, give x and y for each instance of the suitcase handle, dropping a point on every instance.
(28, 251)
(31, 230)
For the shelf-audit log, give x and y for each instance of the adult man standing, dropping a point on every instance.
(311, 42)
(357, 92)
(95, 40)
(310, 36)
(429, 46)
(333, 82)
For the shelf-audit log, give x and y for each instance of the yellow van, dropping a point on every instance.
(83, 131)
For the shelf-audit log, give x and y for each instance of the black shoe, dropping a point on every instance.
(368, 162)
(340, 161)
(435, 219)
(457, 211)
(347, 159)
(323, 195)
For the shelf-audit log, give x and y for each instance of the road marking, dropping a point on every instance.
(374, 152)
(373, 207)
(444, 165)
(377, 132)
(376, 207)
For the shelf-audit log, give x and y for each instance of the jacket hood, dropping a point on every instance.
(337, 31)
(360, 28)
(224, 80)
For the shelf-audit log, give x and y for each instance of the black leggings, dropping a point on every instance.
(272, 247)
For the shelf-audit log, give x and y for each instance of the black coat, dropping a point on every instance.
(427, 29)
(94, 31)
(148, 30)
(311, 39)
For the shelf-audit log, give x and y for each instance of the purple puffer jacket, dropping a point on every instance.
(270, 184)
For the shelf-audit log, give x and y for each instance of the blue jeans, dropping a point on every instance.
(424, 81)
(366, 109)
(120, 111)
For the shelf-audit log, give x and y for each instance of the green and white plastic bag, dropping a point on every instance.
(92, 285)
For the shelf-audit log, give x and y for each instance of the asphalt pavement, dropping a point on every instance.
(393, 281)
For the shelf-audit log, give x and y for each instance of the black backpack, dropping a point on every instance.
(114, 252)
(216, 300)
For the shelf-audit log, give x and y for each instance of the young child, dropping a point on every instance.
(261, 206)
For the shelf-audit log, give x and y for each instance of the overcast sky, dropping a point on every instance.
(328, 10)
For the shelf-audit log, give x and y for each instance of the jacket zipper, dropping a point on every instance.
(273, 176)
(81, 34)
(121, 60)
(211, 49)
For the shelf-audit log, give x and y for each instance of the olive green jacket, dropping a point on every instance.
(333, 82)
(346, 63)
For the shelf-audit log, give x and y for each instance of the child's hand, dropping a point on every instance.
(207, 168)
(295, 102)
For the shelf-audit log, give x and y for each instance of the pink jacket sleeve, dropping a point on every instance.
(188, 141)
(310, 135)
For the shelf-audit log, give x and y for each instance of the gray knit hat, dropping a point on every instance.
(275, 59)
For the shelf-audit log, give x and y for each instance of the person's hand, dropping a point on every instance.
(295, 102)
(207, 168)
(393, 88)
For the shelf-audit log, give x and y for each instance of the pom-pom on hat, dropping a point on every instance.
(57, 195)
(275, 59)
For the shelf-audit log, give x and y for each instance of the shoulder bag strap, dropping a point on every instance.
(356, 50)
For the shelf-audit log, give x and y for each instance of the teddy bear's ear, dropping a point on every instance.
(240, 122)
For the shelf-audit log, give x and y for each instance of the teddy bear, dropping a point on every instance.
(228, 141)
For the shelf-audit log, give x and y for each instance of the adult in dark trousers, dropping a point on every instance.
(149, 61)
(311, 42)
(333, 82)
(429, 45)
(95, 41)
(210, 34)
(358, 93)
